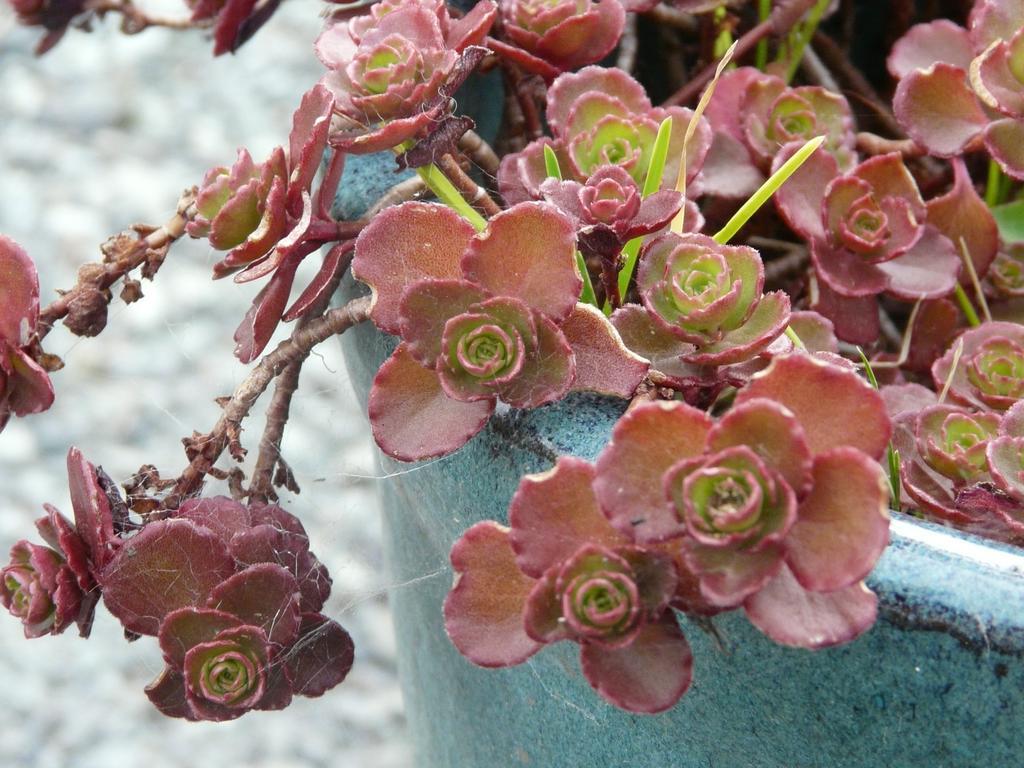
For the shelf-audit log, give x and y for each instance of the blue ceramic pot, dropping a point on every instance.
(937, 682)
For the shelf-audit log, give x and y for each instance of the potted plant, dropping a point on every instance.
(678, 434)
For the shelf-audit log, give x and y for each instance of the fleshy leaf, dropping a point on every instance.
(649, 675)
(547, 373)
(411, 416)
(93, 519)
(843, 525)
(187, 627)
(264, 595)
(792, 615)
(962, 213)
(926, 44)
(1005, 140)
(405, 244)
(853, 414)
(425, 308)
(19, 293)
(528, 252)
(766, 324)
(648, 440)
(483, 613)
(603, 362)
(170, 564)
(938, 109)
(321, 656)
(554, 513)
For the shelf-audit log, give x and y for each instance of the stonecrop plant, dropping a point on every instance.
(790, 375)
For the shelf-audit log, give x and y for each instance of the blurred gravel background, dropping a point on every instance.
(103, 132)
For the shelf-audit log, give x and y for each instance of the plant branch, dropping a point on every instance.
(469, 189)
(122, 254)
(479, 152)
(203, 451)
(135, 20)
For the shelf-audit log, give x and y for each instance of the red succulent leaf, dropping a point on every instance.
(649, 675)
(565, 34)
(93, 519)
(929, 270)
(645, 443)
(167, 694)
(726, 577)
(855, 319)
(926, 44)
(799, 200)
(1004, 139)
(258, 326)
(29, 389)
(992, 20)
(792, 615)
(306, 142)
(221, 514)
(321, 657)
(766, 324)
(542, 615)
(427, 306)
(843, 525)
(997, 76)
(403, 245)
(937, 107)
(169, 564)
(229, 21)
(568, 89)
(554, 513)
(269, 544)
(264, 595)
(483, 613)
(604, 363)
(852, 415)
(1005, 457)
(411, 416)
(961, 213)
(528, 252)
(815, 330)
(472, 28)
(643, 336)
(548, 370)
(335, 263)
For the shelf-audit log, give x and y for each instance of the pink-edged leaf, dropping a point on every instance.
(411, 416)
(845, 272)
(727, 577)
(19, 293)
(992, 20)
(927, 44)
(31, 388)
(542, 616)
(258, 326)
(1005, 456)
(938, 110)
(483, 613)
(167, 694)
(567, 90)
(799, 200)
(1011, 424)
(656, 211)
(229, 20)
(961, 213)
(472, 28)
(321, 656)
(583, 39)
(405, 244)
(909, 398)
(269, 544)
(645, 443)
(937, 322)
(170, 564)
(532, 64)
(773, 433)
(843, 525)
(264, 595)
(554, 513)
(603, 362)
(855, 319)
(59, 533)
(766, 324)
(649, 675)
(186, 628)
(728, 169)
(362, 140)
(548, 370)
(853, 414)
(1005, 140)
(792, 615)
(528, 252)
(93, 518)
(307, 141)
(649, 339)
(929, 270)
(427, 306)
(325, 281)
(815, 330)
(221, 514)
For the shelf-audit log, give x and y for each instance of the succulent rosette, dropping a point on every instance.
(959, 465)
(393, 72)
(871, 233)
(561, 572)
(25, 387)
(234, 596)
(481, 317)
(754, 115)
(707, 297)
(547, 37)
(990, 370)
(779, 507)
(962, 88)
(268, 219)
(601, 117)
(1005, 278)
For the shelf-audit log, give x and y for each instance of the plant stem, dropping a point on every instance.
(446, 192)
(994, 185)
(801, 36)
(965, 304)
(764, 9)
(468, 189)
(766, 190)
(204, 450)
(117, 264)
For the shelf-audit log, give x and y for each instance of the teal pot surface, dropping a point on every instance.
(937, 682)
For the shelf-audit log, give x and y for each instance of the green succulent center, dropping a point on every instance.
(726, 500)
(698, 280)
(228, 676)
(486, 351)
(998, 368)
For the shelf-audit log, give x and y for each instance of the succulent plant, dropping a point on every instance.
(476, 326)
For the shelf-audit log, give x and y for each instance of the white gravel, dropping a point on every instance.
(105, 131)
